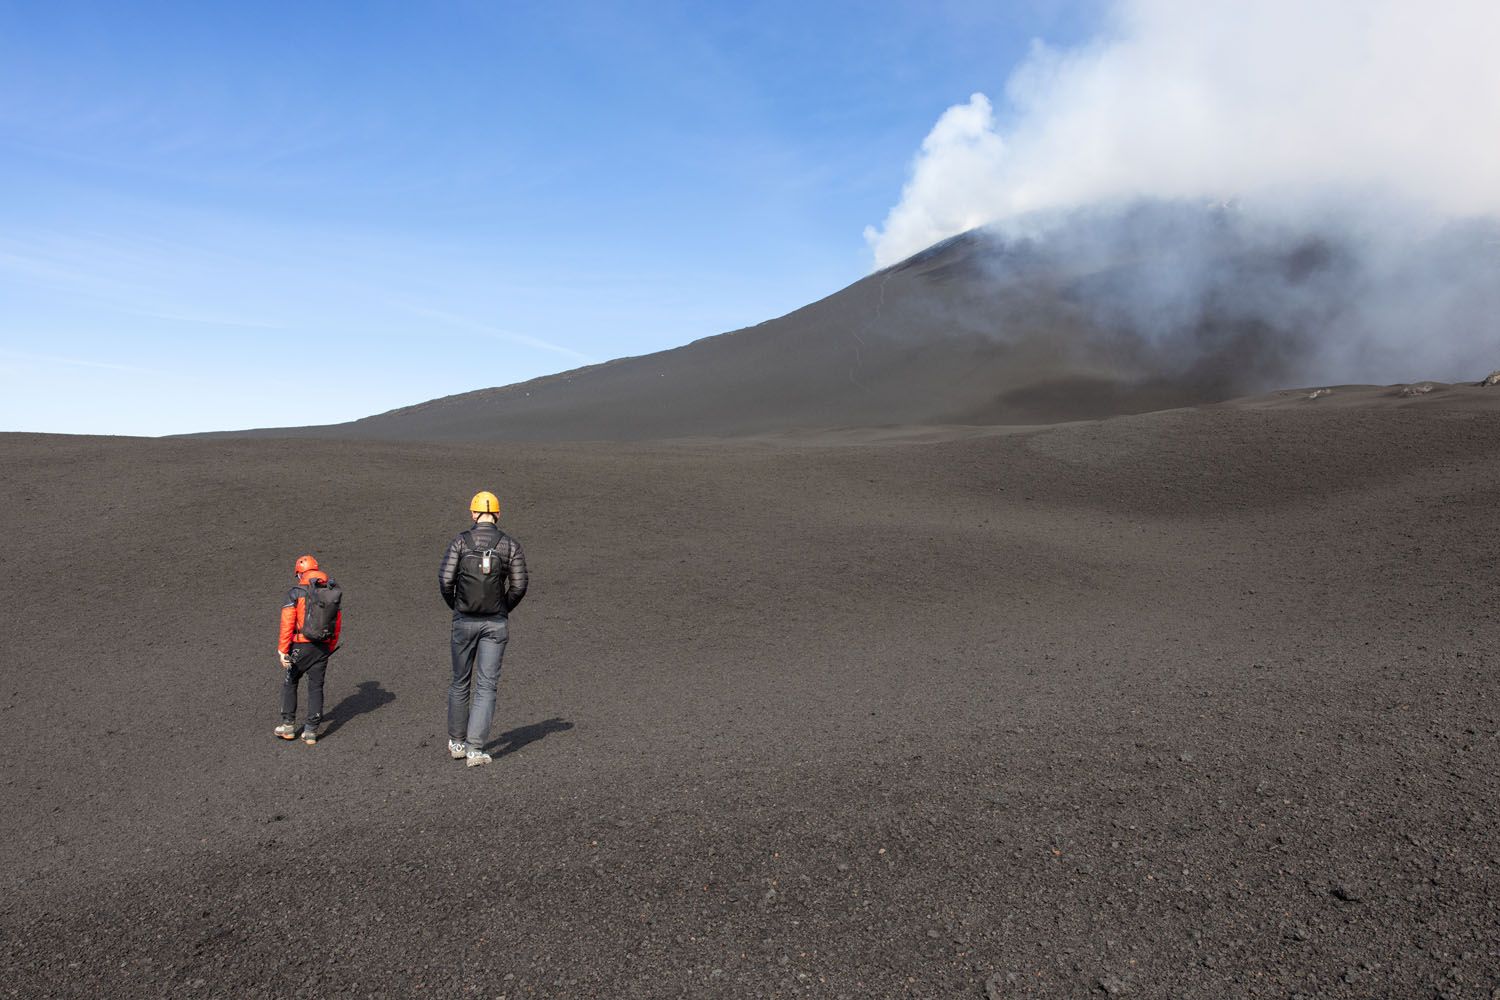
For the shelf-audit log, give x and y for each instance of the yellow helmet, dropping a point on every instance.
(485, 502)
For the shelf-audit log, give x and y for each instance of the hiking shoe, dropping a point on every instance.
(309, 736)
(286, 731)
(474, 758)
(457, 749)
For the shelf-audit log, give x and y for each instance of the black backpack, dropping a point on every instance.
(479, 584)
(320, 609)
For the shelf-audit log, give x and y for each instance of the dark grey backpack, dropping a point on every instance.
(320, 609)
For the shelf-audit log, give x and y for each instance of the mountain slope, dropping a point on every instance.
(1140, 309)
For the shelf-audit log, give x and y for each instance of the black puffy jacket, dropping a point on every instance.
(486, 536)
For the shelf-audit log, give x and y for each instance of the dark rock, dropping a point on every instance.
(1344, 893)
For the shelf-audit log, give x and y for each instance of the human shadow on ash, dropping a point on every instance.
(515, 739)
(367, 697)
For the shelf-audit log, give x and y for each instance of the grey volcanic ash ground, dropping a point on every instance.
(1199, 703)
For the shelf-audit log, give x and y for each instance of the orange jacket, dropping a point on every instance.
(293, 610)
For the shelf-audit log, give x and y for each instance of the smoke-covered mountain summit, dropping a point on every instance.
(1080, 315)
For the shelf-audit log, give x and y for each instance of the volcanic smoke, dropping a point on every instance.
(1366, 130)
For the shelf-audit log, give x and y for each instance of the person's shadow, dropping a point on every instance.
(510, 742)
(367, 697)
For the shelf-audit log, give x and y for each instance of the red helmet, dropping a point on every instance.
(303, 564)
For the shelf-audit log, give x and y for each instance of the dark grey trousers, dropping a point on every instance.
(478, 645)
(310, 660)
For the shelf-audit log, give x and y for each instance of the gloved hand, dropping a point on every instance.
(286, 660)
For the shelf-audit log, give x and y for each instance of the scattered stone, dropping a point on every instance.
(1344, 893)
(1420, 389)
(992, 989)
(1186, 757)
(1493, 378)
(1317, 393)
(1113, 986)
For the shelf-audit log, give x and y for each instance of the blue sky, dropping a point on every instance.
(229, 215)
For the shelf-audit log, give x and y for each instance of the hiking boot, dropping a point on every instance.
(457, 749)
(286, 731)
(476, 757)
(310, 735)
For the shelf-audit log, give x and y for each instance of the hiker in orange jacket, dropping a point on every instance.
(311, 621)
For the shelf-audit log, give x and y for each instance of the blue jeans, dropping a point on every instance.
(478, 645)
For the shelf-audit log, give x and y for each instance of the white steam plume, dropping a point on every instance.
(1273, 101)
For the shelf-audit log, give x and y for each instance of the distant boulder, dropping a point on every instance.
(1493, 378)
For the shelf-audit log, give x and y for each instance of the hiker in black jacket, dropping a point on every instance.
(482, 578)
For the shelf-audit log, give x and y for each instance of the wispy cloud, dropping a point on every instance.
(107, 284)
(49, 272)
(206, 319)
(55, 360)
(473, 326)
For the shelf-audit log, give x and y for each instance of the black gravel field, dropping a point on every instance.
(1199, 703)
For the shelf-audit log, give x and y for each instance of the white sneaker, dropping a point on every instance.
(457, 749)
(474, 758)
